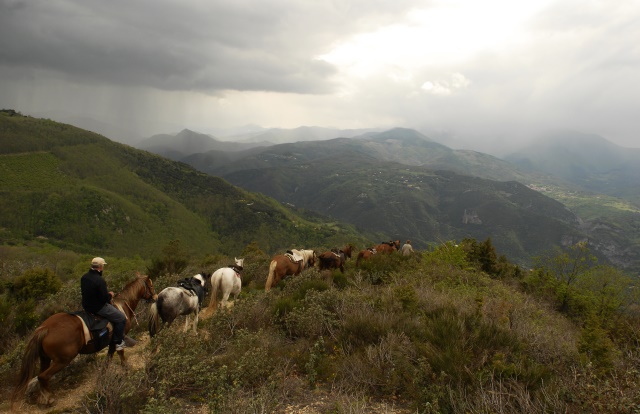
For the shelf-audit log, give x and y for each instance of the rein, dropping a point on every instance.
(135, 317)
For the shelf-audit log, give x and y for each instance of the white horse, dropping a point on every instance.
(175, 301)
(227, 280)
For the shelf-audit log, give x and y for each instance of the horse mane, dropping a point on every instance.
(130, 291)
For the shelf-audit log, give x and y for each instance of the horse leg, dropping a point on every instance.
(225, 299)
(195, 322)
(186, 323)
(50, 369)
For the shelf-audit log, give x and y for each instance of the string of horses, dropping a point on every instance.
(64, 335)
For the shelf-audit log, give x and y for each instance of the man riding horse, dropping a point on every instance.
(96, 300)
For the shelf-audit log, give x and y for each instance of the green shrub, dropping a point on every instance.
(298, 287)
(25, 317)
(448, 253)
(458, 344)
(594, 343)
(36, 284)
(284, 305)
(406, 295)
(174, 260)
(316, 316)
(339, 280)
(363, 324)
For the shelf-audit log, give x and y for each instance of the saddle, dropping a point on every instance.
(295, 258)
(193, 287)
(97, 329)
(237, 269)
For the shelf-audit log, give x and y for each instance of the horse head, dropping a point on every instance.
(149, 293)
(347, 250)
(239, 262)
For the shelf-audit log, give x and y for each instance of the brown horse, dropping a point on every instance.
(58, 340)
(387, 247)
(347, 250)
(282, 266)
(335, 259)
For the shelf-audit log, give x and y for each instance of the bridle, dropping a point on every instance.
(148, 291)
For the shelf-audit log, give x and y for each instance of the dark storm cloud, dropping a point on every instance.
(180, 45)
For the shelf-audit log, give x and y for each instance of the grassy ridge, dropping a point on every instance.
(432, 333)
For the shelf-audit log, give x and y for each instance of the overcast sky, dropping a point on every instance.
(475, 71)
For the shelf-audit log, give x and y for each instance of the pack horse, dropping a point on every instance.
(227, 281)
(335, 258)
(386, 247)
(291, 263)
(173, 301)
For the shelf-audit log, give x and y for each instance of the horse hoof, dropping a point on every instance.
(46, 401)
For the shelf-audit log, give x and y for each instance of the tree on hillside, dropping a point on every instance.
(568, 266)
(609, 291)
(173, 261)
(483, 254)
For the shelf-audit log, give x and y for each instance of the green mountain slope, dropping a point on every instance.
(85, 192)
(610, 224)
(423, 205)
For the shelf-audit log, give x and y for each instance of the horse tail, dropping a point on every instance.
(272, 271)
(360, 256)
(153, 319)
(215, 284)
(28, 368)
(324, 262)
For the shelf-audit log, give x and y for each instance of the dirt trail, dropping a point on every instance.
(75, 381)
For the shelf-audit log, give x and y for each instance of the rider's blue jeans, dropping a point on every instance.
(117, 318)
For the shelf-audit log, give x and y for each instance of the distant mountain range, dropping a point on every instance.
(390, 182)
(589, 162)
(78, 188)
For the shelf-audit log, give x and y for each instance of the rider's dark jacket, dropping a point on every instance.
(94, 291)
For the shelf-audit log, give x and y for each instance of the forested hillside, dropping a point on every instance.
(406, 179)
(82, 191)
